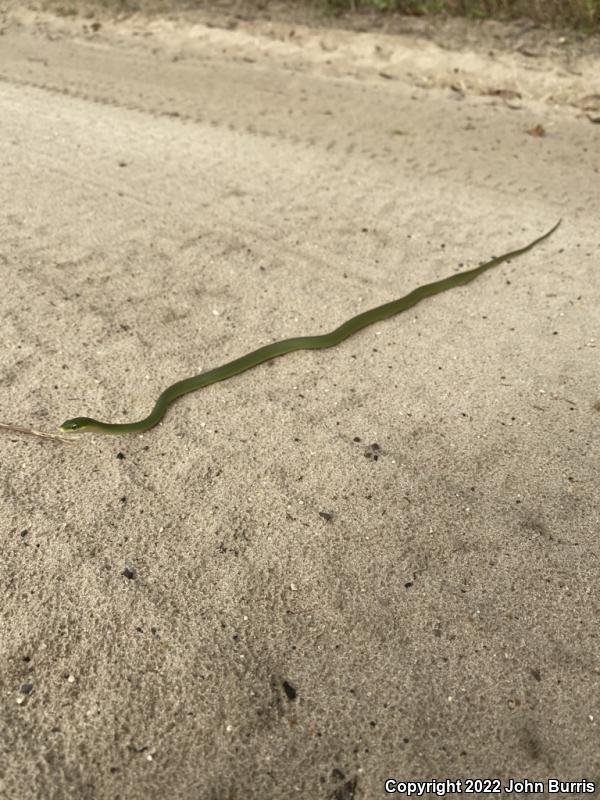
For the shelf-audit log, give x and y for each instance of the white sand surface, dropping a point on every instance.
(376, 561)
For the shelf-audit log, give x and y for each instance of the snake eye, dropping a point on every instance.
(76, 424)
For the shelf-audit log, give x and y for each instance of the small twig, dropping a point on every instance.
(42, 434)
(566, 399)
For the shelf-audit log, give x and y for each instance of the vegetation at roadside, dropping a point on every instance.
(583, 14)
(580, 14)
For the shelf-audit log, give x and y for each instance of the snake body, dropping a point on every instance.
(276, 349)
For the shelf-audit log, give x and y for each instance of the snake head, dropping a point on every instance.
(76, 424)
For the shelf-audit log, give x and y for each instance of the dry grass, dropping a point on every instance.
(584, 14)
(581, 14)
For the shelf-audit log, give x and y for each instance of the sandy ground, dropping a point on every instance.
(377, 561)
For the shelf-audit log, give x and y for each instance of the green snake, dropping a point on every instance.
(276, 349)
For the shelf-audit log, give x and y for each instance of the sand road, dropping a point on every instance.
(374, 562)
